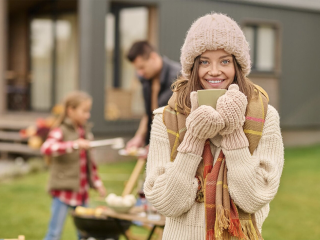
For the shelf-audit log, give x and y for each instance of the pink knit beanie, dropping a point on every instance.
(211, 32)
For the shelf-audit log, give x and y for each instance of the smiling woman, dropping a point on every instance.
(213, 171)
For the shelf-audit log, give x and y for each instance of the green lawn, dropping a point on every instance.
(25, 206)
(295, 210)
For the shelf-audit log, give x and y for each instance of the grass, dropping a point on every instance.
(25, 206)
(295, 210)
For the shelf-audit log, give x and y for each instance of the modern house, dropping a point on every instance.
(50, 47)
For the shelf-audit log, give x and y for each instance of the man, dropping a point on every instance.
(156, 75)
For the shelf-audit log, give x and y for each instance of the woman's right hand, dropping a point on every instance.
(202, 123)
(81, 144)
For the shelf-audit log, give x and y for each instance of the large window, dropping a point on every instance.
(41, 63)
(262, 41)
(53, 60)
(124, 26)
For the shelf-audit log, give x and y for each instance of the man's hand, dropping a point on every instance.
(139, 139)
(136, 142)
(146, 153)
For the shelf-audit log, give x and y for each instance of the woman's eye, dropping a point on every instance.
(225, 61)
(204, 62)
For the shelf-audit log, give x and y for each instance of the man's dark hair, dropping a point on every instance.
(141, 48)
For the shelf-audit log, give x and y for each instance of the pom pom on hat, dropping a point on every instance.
(211, 32)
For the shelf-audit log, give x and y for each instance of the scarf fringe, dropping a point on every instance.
(226, 235)
(249, 230)
(222, 221)
(210, 235)
(235, 229)
(256, 228)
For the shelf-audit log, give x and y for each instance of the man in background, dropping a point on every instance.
(156, 75)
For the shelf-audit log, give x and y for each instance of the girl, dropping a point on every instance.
(72, 170)
(213, 172)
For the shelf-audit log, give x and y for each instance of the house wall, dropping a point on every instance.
(293, 90)
(298, 82)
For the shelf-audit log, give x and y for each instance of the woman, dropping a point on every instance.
(213, 173)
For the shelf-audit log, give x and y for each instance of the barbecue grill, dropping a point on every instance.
(100, 228)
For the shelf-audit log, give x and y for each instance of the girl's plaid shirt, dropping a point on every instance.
(54, 146)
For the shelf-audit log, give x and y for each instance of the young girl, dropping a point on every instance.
(72, 170)
(213, 172)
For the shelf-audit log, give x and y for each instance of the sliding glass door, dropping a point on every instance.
(54, 53)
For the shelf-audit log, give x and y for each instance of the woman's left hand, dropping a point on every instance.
(232, 107)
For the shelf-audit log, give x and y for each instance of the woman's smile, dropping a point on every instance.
(214, 82)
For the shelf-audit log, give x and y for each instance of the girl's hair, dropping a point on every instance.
(73, 100)
(183, 86)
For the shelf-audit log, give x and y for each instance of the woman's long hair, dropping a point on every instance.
(184, 86)
(72, 100)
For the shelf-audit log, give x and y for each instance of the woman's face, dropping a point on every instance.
(216, 69)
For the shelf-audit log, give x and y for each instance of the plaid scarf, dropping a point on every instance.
(223, 218)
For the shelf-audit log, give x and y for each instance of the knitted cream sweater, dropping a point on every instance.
(171, 186)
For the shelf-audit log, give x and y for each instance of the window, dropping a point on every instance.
(124, 25)
(41, 63)
(48, 89)
(262, 41)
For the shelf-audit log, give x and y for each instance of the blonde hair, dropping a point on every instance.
(72, 100)
(184, 86)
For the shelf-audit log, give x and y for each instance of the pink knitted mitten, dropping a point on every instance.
(202, 123)
(232, 107)
(235, 140)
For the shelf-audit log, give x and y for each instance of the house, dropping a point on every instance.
(54, 46)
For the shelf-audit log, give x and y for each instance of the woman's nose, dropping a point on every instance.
(214, 70)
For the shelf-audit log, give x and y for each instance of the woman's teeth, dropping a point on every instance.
(219, 81)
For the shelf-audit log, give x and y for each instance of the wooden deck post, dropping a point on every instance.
(3, 55)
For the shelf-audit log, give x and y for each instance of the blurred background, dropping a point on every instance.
(51, 47)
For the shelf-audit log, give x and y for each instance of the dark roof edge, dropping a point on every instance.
(272, 5)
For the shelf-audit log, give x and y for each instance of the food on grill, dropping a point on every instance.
(118, 201)
(83, 211)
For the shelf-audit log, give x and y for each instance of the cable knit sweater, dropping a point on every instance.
(171, 187)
